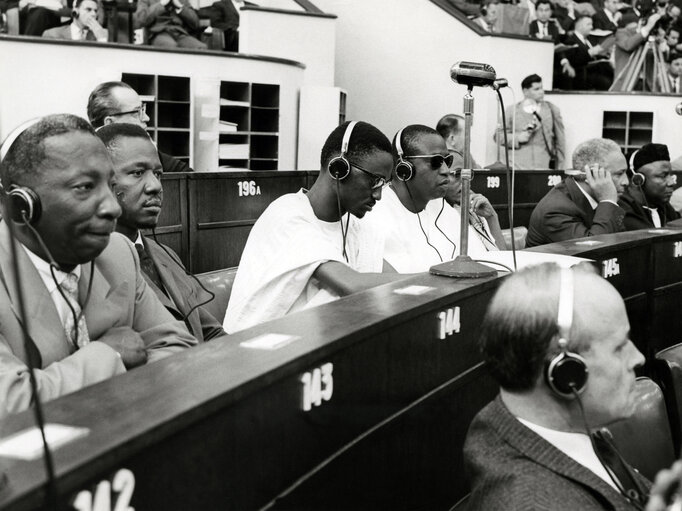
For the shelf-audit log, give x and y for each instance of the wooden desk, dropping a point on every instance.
(222, 426)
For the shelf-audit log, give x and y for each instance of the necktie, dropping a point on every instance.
(77, 334)
(543, 30)
(614, 464)
(148, 267)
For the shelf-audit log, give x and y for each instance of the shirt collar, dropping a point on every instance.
(77, 34)
(138, 240)
(43, 268)
(590, 199)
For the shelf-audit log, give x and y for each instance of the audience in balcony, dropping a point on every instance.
(84, 26)
(543, 27)
(675, 72)
(607, 17)
(488, 17)
(37, 16)
(590, 61)
(169, 23)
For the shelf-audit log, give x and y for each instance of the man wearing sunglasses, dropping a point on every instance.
(416, 236)
(112, 102)
(313, 246)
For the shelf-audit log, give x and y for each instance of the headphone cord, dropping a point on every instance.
(407, 186)
(189, 274)
(51, 490)
(606, 466)
(454, 246)
(511, 174)
(344, 233)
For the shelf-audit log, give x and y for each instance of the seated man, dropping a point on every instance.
(646, 201)
(451, 128)
(137, 184)
(89, 312)
(488, 17)
(169, 23)
(37, 16)
(414, 241)
(84, 26)
(111, 102)
(533, 446)
(593, 71)
(583, 205)
(302, 252)
(543, 27)
(607, 17)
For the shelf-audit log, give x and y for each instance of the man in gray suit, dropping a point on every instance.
(137, 184)
(557, 341)
(84, 26)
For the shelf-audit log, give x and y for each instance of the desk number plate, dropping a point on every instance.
(448, 322)
(318, 386)
(118, 492)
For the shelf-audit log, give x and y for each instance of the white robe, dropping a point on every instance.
(410, 247)
(285, 247)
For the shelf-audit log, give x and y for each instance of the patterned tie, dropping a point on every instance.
(148, 267)
(79, 337)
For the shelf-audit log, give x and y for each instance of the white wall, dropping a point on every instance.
(583, 115)
(306, 39)
(39, 78)
(393, 57)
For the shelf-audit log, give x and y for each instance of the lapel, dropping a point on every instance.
(547, 125)
(543, 453)
(579, 199)
(43, 323)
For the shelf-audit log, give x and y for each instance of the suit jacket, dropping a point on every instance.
(601, 21)
(119, 297)
(173, 164)
(565, 214)
(183, 293)
(513, 468)
(64, 32)
(547, 139)
(158, 18)
(552, 31)
(636, 217)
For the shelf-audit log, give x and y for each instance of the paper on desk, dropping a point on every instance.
(28, 444)
(525, 259)
(269, 341)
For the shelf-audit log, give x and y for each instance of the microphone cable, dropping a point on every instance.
(51, 489)
(344, 233)
(409, 193)
(189, 274)
(454, 245)
(511, 174)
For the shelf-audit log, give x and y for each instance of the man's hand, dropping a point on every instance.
(127, 343)
(90, 21)
(601, 183)
(666, 485)
(481, 206)
(653, 19)
(595, 50)
(522, 137)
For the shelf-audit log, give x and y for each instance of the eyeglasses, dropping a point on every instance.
(140, 111)
(377, 181)
(436, 160)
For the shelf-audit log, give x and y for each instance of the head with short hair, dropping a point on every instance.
(605, 153)
(629, 20)
(64, 163)
(531, 87)
(137, 176)
(519, 337)
(583, 25)
(112, 102)
(672, 38)
(543, 10)
(675, 64)
(653, 161)
(451, 128)
(490, 8)
(369, 156)
(83, 8)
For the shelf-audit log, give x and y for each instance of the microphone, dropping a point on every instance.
(500, 83)
(678, 109)
(473, 74)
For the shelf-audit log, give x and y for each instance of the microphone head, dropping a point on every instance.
(678, 109)
(500, 83)
(473, 74)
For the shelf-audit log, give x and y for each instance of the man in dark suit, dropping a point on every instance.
(584, 205)
(536, 445)
(169, 23)
(137, 183)
(592, 69)
(112, 102)
(543, 27)
(84, 26)
(646, 201)
(88, 311)
(607, 17)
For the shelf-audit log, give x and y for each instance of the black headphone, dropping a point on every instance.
(24, 203)
(637, 178)
(404, 170)
(484, 10)
(566, 373)
(339, 167)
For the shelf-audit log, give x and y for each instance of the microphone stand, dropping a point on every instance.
(463, 266)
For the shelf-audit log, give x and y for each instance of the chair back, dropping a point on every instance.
(219, 282)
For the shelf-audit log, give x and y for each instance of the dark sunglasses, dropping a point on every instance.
(436, 160)
(377, 181)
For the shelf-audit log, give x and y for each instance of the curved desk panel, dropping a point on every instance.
(366, 405)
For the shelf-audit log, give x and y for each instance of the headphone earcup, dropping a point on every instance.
(638, 179)
(338, 168)
(484, 11)
(404, 170)
(566, 372)
(24, 202)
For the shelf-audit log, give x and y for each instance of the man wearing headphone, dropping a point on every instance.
(557, 341)
(646, 201)
(311, 247)
(420, 228)
(137, 184)
(84, 26)
(87, 310)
